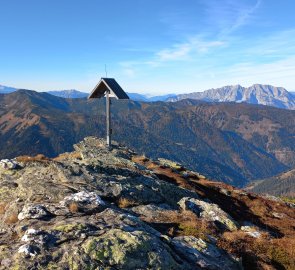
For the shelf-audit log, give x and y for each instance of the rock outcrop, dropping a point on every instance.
(97, 208)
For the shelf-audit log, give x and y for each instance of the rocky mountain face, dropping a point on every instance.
(235, 143)
(256, 94)
(96, 208)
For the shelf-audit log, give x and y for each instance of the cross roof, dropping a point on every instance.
(108, 84)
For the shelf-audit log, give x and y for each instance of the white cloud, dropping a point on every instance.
(185, 51)
(177, 52)
(229, 15)
(243, 17)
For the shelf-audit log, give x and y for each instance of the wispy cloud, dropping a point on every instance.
(243, 17)
(177, 52)
(185, 50)
(229, 15)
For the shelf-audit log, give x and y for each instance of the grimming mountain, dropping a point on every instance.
(234, 143)
(256, 94)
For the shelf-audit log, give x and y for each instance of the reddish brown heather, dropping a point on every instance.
(275, 249)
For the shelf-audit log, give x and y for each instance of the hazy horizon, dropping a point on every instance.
(146, 94)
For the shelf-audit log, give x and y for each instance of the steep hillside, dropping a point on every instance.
(96, 208)
(234, 143)
(256, 94)
(279, 185)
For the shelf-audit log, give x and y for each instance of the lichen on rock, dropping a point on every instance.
(34, 212)
(209, 211)
(204, 255)
(131, 250)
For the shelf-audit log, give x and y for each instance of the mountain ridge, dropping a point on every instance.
(255, 94)
(239, 142)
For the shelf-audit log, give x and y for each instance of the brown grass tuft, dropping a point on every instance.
(125, 202)
(2, 208)
(26, 159)
(139, 159)
(11, 219)
(73, 207)
(189, 224)
(184, 223)
(276, 252)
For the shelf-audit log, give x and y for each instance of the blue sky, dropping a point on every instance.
(155, 46)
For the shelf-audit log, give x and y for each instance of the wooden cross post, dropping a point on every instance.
(108, 87)
(108, 118)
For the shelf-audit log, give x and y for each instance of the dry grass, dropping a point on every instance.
(286, 243)
(139, 159)
(73, 207)
(125, 202)
(65, 156)
(2, 208)
(40, 158)
(259, 210)
(183, 223)
(189, 224)
(279, 253)
(11, 219)
(262, 253)
(288, 199)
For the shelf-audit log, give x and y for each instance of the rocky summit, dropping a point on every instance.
(100, 208)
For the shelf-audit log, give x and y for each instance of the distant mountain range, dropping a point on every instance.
(146, 98)
(256, 94)
(59, 93)
(230, 142)
(78, 94)
(68, 93)
(6, 89)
